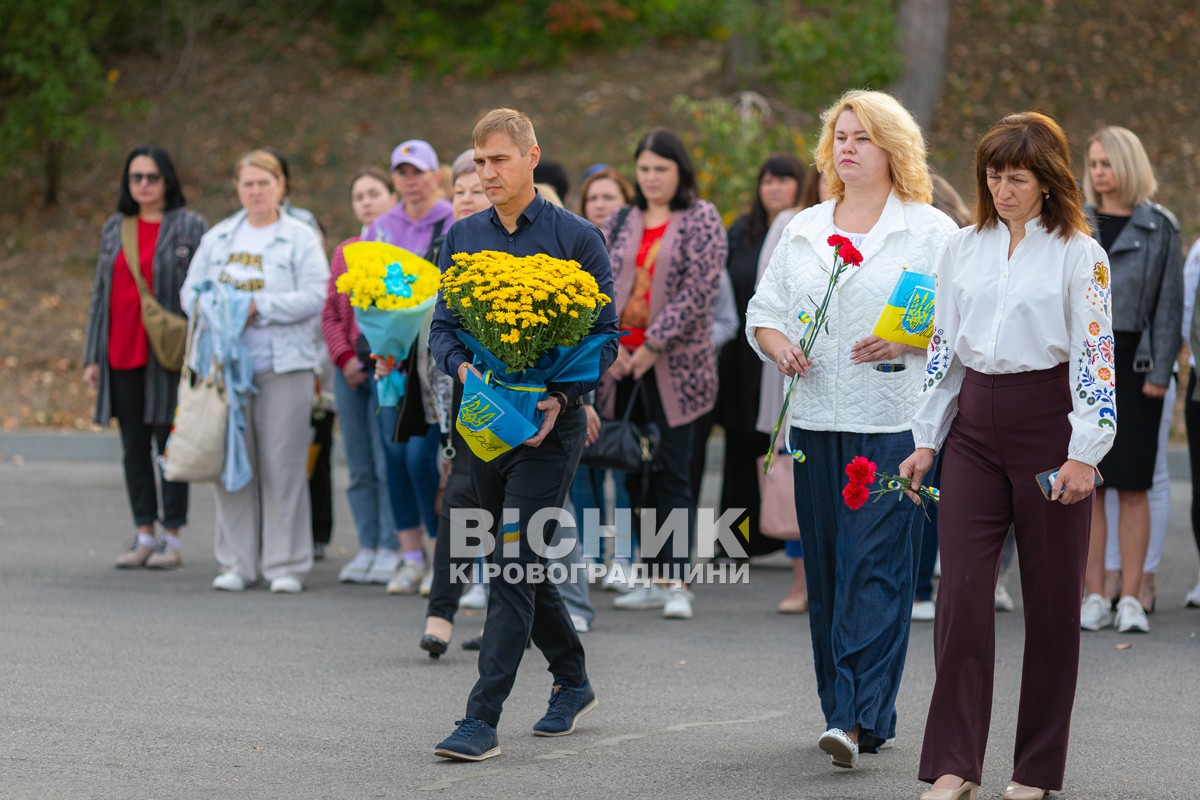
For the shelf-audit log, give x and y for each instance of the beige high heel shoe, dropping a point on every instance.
(1018, 791)
(968, 791)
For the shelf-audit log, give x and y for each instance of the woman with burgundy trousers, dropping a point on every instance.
(1020, 380)
(119, 364)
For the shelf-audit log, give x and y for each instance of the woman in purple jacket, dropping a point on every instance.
(668, 251)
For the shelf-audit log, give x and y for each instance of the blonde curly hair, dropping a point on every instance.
(891, 127)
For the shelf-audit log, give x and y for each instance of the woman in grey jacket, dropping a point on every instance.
(119, 364)
(280, 262)
(1142, 242)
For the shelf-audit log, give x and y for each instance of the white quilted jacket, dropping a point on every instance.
(836, 394)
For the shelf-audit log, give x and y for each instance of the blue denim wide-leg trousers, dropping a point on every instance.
(860, 579)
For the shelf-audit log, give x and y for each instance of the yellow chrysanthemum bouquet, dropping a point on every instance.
(526, 320)
(392, 292)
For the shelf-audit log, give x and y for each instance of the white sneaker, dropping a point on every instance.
(923, 611)
(356, 571)
(842, 751)
(1004, 601)
(678, 604)
(384, 566)
(618, 577)
(1131, 617)
(407, 579)
(1094, 614)
(888, 744)
(474, 598)
(581, 624)
(229, 582)
(642, 597)
(426, 584)
(1193, 597)
(287, 584)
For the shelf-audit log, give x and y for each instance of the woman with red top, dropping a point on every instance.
(119, 365)
(357, 403)
(668, 251)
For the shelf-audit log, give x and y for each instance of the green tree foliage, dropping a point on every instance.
(50, 76)
(729, 140)
(484, 36)
(810, 51)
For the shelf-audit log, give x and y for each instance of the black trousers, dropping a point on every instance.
(444, 594)
(524, 481)
(670, 486)
(142, 443)
(320, 483)
(1191, 416)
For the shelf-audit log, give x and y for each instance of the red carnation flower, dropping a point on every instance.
(855, 495)
(837, 240)
(849, 253)
(860, 470)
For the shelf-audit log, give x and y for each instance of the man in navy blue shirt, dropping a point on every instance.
(538, 473)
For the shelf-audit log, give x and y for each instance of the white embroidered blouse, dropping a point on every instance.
(1047, 304)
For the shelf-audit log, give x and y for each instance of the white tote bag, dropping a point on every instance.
(195, 451)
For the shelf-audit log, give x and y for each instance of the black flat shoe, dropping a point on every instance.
(434, 646)
(472, 644)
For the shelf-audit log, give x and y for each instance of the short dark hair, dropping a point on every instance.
(553, 173)
(666, 144)
(174, 191)
(1035, 142)
(780, 165)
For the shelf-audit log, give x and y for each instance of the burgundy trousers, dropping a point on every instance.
(1008, 429)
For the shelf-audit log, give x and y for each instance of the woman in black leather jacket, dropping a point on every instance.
(1142, 242)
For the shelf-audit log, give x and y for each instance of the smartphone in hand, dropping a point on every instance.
(1046, 480)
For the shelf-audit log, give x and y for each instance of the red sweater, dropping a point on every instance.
(128, 347)
(337, 317)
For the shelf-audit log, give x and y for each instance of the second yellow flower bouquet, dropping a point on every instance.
(526, 320)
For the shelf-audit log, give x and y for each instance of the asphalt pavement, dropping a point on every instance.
(140, 684)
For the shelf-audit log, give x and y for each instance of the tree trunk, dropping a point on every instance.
(53, 166)
(741, 50)
(923, 28)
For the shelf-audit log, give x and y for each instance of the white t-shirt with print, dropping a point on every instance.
(244, 271)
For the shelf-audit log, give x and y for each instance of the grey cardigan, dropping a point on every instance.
(1147, 287)
(178, 239)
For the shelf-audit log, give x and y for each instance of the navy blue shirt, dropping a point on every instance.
(541, 228)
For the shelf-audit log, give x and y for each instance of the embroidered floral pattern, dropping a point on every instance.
(1099, 289)
(1096, 385)
(938, 360)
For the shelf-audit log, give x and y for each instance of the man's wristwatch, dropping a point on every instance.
(563, 403)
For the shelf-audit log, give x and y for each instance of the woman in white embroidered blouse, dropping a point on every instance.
(856, 396)
(1019, 380)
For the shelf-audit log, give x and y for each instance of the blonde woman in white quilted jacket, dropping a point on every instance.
(855, 396)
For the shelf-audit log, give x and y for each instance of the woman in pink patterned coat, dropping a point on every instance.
(668, 251)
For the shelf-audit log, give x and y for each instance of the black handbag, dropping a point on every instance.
(624, 445)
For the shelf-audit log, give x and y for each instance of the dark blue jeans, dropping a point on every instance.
(860, 580)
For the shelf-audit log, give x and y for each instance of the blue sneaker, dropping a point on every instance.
(474, 740)
(567, 705)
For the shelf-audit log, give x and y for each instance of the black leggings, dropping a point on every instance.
(1191, 416)
(444, 594)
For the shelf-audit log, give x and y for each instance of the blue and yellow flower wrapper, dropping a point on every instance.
(499, 411)
(908, 316)
(392, 292)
